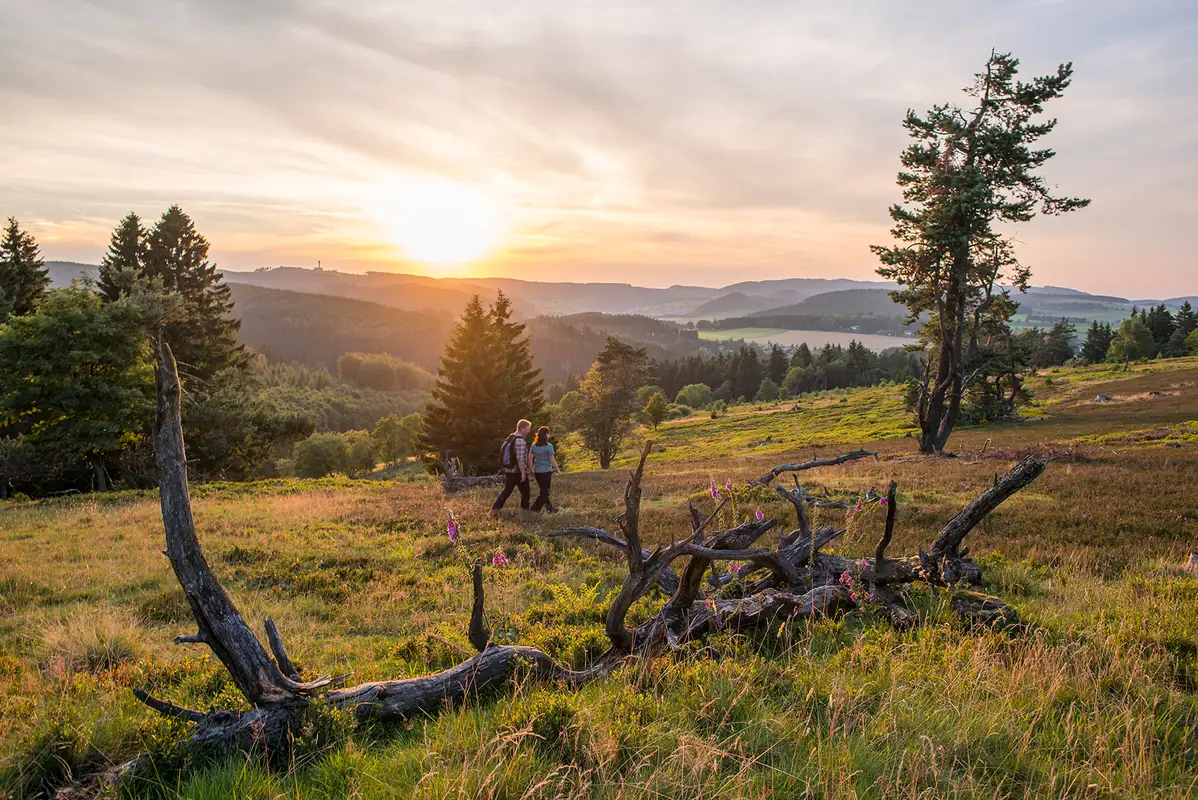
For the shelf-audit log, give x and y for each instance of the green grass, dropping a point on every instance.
(1097, 697)
(739, 333)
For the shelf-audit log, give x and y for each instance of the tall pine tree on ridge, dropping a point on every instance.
(23, 275)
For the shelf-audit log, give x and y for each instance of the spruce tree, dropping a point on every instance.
(608, 397)
(1186, 319)
(205, 343)
(801, 357)
(748, 373)
(778, 365)
(521, 393)
(1098, 341)
(24, 278)
(967, 171)
(463, 419)
(126, 251)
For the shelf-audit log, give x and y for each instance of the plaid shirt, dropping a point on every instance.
(521, 448)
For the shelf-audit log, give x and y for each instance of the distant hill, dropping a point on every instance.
(63, 272)
(315, 330)
(845, 302)
(731, 304)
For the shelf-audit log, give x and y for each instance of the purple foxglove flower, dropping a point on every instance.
(882, 502)
(715, 492)
(499, 559)
(453, 528)
(758, 515)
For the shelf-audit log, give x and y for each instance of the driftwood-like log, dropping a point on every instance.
(452, 482)
(765, 479)
(793, 579)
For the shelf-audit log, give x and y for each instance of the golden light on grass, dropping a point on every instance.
(436, 221)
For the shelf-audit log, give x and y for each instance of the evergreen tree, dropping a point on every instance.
(205, 340)
(75, 378)
(778, 365)
(967, 171)
(1161, 323)
(748, 373)
(801, 357)
(24, 278)
(1098, 342)
(126, 251)
(1060, 344)
(608, 395)
(1186, 319)
(521, 393)
(463, 420)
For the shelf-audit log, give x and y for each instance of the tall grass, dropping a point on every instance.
(1096, 695)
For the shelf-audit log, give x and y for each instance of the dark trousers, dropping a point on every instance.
(543, 481)
(512, 480)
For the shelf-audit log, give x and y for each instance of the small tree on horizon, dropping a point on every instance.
(967, 171)
(126, 251)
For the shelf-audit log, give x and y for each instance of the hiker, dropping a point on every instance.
(543, 461)
(513, 455)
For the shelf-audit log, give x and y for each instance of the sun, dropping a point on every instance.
(437, 221)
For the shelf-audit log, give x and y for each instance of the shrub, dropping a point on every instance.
(695, 395)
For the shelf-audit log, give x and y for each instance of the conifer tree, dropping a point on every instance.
(1098, 341)
(464, 419)
(205, 342)
(126, 251)
(656, 408)
(778, 365)
(748, 373)
(521, 393)
(608, 396)
(1186, 319)
(24, 278)
(966, 171)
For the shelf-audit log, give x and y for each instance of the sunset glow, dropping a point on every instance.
(437, 222)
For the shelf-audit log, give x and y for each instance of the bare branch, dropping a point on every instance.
(478, 633)
(891, 510)
(667, 579)
(957, 528)
(276, 647)
(167, 709)
(765, 479)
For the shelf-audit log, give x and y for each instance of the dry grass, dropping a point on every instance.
(1097, 698)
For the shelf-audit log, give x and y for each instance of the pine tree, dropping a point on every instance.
(1098, 341)
(778, 365)
(1161, 323)
(801, 357)
(24, 278)
(1186, 319)
(748, 373)
(967, 171)
(522, 389)
(126, 251)
(463, 419)
(205, 343)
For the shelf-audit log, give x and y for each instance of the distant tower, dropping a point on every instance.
(318, 266)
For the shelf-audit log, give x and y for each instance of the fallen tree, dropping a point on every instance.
(792, 578)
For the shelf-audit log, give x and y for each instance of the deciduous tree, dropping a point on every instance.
(608, 395)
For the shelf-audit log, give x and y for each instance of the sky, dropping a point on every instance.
(655, 143)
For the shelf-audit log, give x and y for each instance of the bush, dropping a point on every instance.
(320, 454)
(695, 395)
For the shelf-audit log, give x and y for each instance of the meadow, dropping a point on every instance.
(1094, 695)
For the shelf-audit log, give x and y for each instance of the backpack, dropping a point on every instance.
(507, 453)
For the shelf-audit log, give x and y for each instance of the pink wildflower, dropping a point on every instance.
(882, 502)
(453, 528)
(728, 486)
(858, 508)
(499, 559)
(758, 515)
(715, 492)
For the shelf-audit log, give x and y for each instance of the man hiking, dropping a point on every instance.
(513, 455)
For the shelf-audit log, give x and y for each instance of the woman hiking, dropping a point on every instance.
(543, 461)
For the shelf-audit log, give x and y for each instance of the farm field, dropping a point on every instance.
(814, 339)
(1095, 696)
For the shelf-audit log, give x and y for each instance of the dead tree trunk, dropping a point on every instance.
(791, 579)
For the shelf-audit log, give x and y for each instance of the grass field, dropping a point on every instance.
(1097, 696)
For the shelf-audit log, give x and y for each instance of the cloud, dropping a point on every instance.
(646, 142)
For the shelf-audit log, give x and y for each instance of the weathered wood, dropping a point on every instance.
(221, 625)
(280, 652)
(888, 533)
(765, 479)
(977, 608)
(452, 482)
(957, 528)
(478, 633)
(667, 579)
